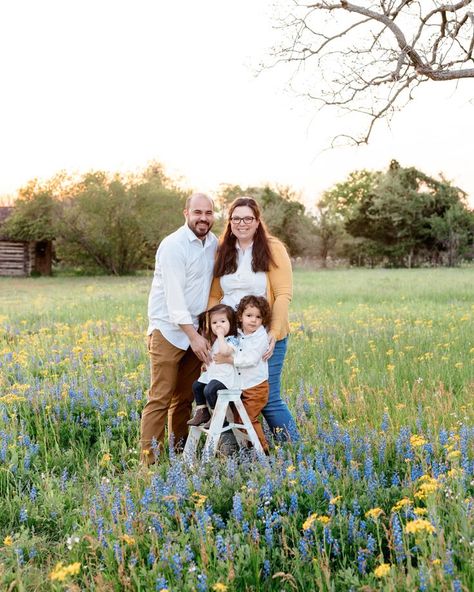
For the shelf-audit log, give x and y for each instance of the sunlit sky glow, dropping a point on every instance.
(114, 84)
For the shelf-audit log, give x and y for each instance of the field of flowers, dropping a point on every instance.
(377, 495)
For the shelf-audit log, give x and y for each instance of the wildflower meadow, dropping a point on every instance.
(378, 494)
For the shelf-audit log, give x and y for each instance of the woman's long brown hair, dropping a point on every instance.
(226, 259)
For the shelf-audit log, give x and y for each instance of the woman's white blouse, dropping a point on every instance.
(244, 281)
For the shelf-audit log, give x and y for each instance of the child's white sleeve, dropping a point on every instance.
(250, 350)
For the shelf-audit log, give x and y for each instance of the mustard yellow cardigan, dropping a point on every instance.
(279, 289)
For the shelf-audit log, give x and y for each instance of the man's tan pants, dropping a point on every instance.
(170, 397)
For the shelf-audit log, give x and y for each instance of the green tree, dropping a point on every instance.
(33, 218)
(115, 223)
(100, 221)
(333, 209)
(402, 213)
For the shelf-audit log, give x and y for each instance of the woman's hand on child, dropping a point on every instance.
(220, 358)
(271, 346)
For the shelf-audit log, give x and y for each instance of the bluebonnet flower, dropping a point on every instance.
(361, 561)
(221, 548)
(237, 510)
(268, 532)
(201, 583)
(457, 586)
(177, 565)
(266, 568)
(423, 585)
(293, 503)
(129, 526)
(443, 437)
(395, 479)
(398, 539)
(151, 558)
(382, 449)
(188, 554)
(147, 498)
(20, 557)
(385, 422)
(23, 514)
(304, 549)
(118, 552)
(32, 553)
(130, 506)
(351, 531)
(371, 544)
(448, 565)
(161, 584)
(63, 481)
(33, 493)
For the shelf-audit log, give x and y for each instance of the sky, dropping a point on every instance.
(115, 84)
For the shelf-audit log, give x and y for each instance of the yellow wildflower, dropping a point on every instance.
(128, 539)
(324, 520)
(199, 499)
(106, 458)
(308, 523)
(8, 541)
(420, 511)
(454, 454)
(401, 504)
(419, 526)
(334, 500)
(61, 572)
(382, 570)
(428, 485)
(416, 440)
(436, 561)
(374, 513)
(219, 587)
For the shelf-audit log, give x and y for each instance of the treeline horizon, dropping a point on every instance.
(113, 222)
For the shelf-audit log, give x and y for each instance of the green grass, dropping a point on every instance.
(379, 374)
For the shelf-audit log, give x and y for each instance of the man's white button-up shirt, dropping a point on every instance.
(181, 284)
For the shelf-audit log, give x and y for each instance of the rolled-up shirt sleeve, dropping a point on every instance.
(250, 350)
(173, 271)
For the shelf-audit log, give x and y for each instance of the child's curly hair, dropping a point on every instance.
(204, 321)
(258, 302)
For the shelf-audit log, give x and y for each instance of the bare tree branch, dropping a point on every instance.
(372, 65)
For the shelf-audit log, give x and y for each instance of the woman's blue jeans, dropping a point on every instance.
(276, 412)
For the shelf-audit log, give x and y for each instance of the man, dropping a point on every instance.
(179, 292)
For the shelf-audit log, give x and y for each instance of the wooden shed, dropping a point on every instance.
(22, 258)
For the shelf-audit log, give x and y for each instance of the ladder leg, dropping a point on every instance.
(215, 429)
(248, 426)
(190, 449)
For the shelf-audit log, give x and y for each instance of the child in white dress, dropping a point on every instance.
(219, 326)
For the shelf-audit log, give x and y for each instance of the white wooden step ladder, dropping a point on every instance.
(217, 427)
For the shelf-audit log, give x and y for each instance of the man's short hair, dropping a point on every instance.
(198, 194)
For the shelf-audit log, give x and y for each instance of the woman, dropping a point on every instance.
(250, 261)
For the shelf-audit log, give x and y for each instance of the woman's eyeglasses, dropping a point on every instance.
(246, 220)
